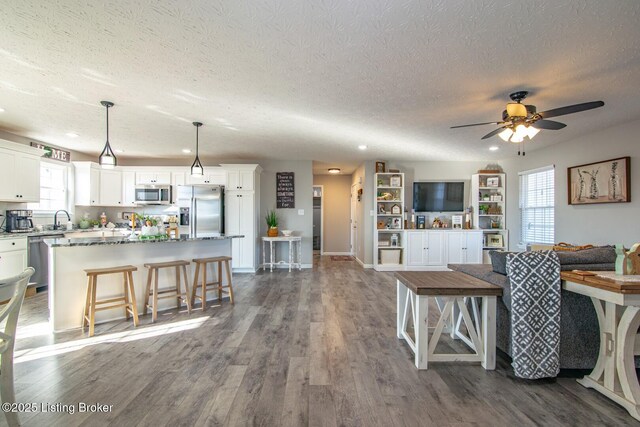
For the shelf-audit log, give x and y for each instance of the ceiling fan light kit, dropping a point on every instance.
(518, 119)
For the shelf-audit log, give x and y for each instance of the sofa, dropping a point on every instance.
(579, 331)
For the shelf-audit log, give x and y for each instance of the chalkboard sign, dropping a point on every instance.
(285, 190)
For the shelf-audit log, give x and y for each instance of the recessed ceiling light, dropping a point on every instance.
(118, 150)
(186, 151)
(334, 170)
(362, 147)
(494, 148)
(72, 134)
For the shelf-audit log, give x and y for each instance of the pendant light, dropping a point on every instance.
(196, 167)
(107, 157)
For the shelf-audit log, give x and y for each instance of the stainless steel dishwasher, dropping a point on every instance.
(39, 259)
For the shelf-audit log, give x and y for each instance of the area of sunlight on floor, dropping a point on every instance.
(26, 355)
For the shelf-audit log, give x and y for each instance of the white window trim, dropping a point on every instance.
(70, 206)
(523, 245)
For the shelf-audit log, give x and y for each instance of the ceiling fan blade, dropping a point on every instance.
(570, 109)
(548, 124)
(476, 124)
(493, 133)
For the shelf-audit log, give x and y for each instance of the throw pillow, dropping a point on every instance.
(499, 261)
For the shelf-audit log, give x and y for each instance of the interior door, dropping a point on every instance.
(354, 228)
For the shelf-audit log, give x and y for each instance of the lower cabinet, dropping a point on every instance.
(240, 219)
(435, 249)
(13, 256)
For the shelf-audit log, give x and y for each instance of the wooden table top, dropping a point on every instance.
(446, 283)
(589, 278)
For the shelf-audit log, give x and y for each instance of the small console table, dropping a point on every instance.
(451, 289)
(297, 240)
(617, 305)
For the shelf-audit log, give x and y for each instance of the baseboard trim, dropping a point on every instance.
(362, 264)
(337, 253)
(281, 266)
(243, 270)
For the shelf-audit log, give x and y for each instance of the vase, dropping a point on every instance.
(272, 232)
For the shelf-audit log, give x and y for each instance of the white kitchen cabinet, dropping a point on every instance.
(20, 176)
(128, 188)
(110, 187)
(240, 207)
(425, 248)
(151, 178)
(13, 256)
(239, 179)
(212, 176)
(464, 247)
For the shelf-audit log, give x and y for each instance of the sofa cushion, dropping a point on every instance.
(598, 255)
(484, 272)
(499, 261)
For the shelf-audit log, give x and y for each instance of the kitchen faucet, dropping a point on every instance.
(55, 218)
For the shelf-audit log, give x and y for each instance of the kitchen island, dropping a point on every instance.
(68, 258)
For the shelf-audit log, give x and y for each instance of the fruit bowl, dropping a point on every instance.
(287, 233)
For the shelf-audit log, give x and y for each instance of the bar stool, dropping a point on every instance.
(156, 293)
(204, 286)
(128, 300)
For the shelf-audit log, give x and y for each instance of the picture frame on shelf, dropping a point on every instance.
(495, 241)
(395, 181)
(381, 167)
(456, 221)
(493, 181)
(396, 223)
(381, 208)
(608, 181)
(396, 210)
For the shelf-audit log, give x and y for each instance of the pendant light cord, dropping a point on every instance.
(197, 140)
(107, 124)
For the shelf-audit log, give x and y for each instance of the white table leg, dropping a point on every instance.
(401, 297)
(290, 255)
(264, 259)
(300, 254)
(615, 374)
(489, 332)
(422, 331)
(271, 255)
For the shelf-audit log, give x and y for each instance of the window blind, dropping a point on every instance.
(537, 206)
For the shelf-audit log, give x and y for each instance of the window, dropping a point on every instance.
(53, 188)
(537, 206)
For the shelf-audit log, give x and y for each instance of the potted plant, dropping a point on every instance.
(149, 226)
(483, 209)
(272, 223)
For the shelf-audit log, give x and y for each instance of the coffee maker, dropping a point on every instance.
(19, 221)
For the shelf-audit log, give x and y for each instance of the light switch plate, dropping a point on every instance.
(371, 212)
(300, 211)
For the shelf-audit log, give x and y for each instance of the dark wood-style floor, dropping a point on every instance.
(315, 347)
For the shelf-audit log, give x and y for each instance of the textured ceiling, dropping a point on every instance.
(311, 80)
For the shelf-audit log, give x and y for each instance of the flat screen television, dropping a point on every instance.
(438, 196)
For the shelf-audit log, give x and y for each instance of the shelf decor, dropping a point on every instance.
(608, 181)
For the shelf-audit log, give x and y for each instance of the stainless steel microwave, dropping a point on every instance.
(153, 194)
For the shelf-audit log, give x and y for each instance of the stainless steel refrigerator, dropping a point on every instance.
(201, 210)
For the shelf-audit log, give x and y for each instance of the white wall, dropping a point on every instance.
(597, 224)
(363, 178)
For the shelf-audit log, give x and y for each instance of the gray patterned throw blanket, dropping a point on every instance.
(535, 313)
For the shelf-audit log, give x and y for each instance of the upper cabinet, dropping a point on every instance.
(151, 178)
(239, 179)
(111, 188)
(19, 173)
(100, 187)
(212, 176)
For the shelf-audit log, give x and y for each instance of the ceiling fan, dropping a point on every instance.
(520, 121)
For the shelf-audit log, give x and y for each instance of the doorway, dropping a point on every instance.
(354, 219)
(318, 208)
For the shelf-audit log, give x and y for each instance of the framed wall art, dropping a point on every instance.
(608, 181)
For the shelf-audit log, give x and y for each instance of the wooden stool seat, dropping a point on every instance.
(128, 300)
(201, 263)
(175, 292)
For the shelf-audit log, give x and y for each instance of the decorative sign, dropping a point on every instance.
(285, 190)
(53, 152)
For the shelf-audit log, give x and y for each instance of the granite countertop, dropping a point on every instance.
(123, 240)
(60, 232)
